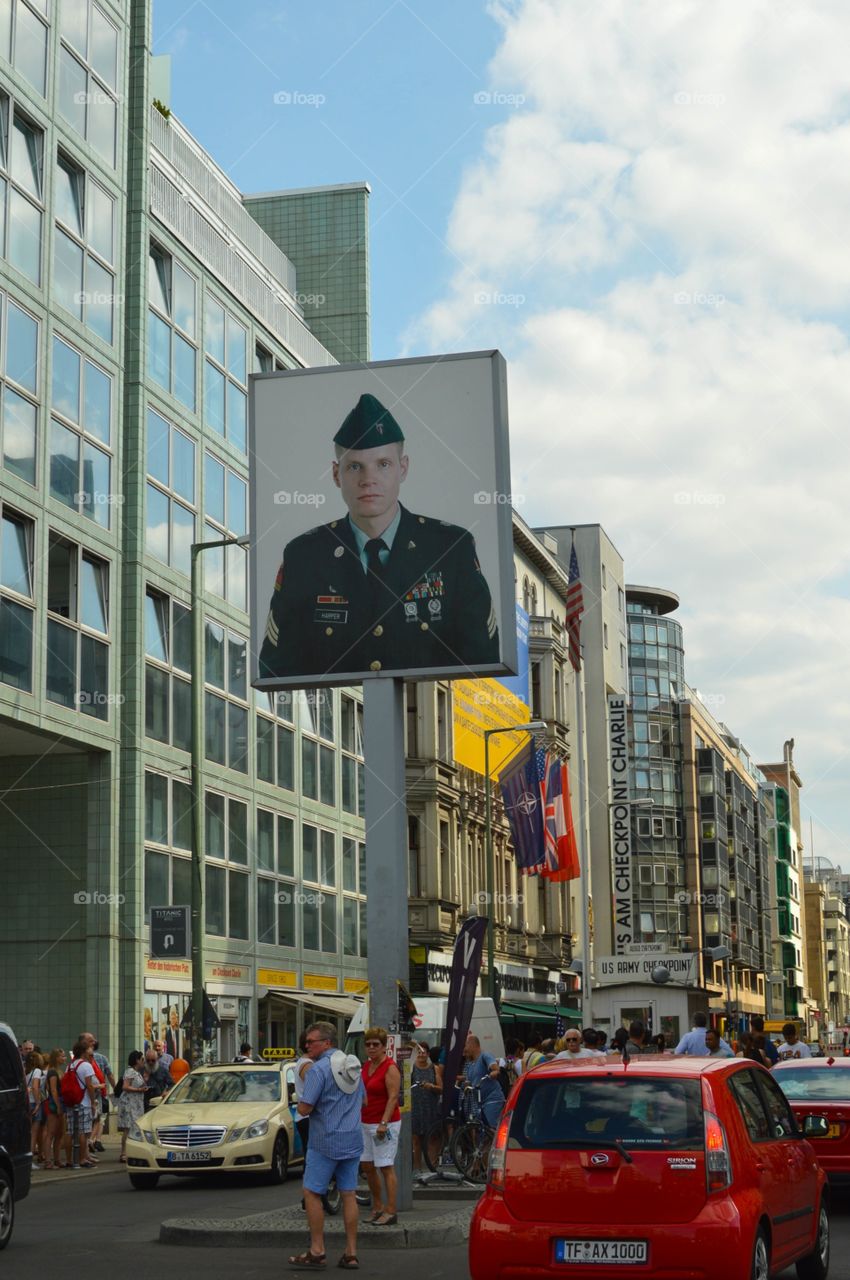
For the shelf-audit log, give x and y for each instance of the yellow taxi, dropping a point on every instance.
(229, 1117)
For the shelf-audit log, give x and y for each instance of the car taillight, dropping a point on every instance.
(718, 1167)
(496, 1165)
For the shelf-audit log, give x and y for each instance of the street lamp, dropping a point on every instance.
(197, 897)
(531, 727)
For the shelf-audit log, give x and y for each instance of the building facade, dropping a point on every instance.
(790, 887)
(448, 877)
(138, 294)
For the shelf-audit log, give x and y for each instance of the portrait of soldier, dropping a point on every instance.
(379, 588)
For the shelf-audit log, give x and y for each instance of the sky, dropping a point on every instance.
(644, 205)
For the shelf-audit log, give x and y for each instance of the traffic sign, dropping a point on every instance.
(171, 933)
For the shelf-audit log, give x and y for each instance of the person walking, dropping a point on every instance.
(426, 1090)
(79, 1117)
(103, 1070)
(245, 1053)
(332, 1097)
(791, 1045)
(768, 1048)
(381, 1119)
(131, 1103)
(481, 1071)
(571, 1048)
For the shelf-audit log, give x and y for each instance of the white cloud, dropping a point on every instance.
(671, 205)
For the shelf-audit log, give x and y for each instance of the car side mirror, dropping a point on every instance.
(155, 1102)
(815, 1127)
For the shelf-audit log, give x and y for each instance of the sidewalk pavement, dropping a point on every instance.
(108, 1163)
(431, 1224)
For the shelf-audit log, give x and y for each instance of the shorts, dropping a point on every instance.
(319, 1169)
(78, 1120)
(381, 1154)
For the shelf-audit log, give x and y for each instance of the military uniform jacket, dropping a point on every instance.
(429, 607)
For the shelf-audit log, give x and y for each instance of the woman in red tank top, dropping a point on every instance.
(381, 1120)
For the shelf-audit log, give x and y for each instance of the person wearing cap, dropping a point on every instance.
(332, 1096)
(381, 588)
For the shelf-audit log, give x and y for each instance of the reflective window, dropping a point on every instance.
(21, 190)
(226, 658)
(88, 74)
(83, 249)
(225, 374)
(16, 619)
(19, 410)
(170, 523)
(172, 358)
(81, 400)
(168, 649)
(226, 508)
(77, 650)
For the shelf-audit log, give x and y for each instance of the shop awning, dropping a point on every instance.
(514, 1011)
(344, 1005)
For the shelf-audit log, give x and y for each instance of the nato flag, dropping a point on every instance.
(520, 784)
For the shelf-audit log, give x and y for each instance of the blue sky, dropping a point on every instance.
(647, 213)
(398, 83)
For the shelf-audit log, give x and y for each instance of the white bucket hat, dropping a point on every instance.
(346, 1070)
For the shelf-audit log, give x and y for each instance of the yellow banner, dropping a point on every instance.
(355, 986)
(480, 705)
(277, 978)
(320, 982)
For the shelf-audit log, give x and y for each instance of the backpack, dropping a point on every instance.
(70, 1088)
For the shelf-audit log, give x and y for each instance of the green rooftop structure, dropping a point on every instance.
(139, 289)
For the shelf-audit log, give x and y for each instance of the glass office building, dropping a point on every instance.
(137, 294)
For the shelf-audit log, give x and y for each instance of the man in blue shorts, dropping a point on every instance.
(332, 1096)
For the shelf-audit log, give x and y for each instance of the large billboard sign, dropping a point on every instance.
(491, 704)
(381, 522)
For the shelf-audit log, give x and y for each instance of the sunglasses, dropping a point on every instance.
(315, 1040)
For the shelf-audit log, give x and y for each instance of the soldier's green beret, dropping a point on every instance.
(368, 426)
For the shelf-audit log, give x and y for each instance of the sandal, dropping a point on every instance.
(88, 1164)
(309, 1259)
(391, 1220)
(349, 1262)
(370, 1222)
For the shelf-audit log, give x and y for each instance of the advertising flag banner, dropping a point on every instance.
(466, 966)
(562, 861)
(521, 794)
(381, 522)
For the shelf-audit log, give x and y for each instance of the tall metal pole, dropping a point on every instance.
(198, 921)
(584, 861)
(387, 876)
(489, 876)
(197, 789)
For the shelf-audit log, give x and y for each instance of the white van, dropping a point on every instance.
(430, 1022)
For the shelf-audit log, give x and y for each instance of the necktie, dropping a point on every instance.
(373, 559)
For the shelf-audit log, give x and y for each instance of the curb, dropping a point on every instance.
(284, 1229)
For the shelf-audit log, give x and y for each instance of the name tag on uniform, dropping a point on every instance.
(337, 616)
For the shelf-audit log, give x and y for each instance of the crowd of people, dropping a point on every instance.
(71, 1099)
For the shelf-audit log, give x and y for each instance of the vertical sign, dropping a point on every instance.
(621, 825)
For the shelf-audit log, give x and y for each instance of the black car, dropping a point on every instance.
(15, 1153)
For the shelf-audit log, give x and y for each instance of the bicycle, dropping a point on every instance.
(470, 1144)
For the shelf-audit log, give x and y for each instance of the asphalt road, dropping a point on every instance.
(96, 1225)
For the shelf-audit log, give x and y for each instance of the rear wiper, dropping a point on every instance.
(608, 1144)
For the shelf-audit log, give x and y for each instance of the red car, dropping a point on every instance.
(821, 1087)
(686, 1168)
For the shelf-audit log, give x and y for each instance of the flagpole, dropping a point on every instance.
(584, 858)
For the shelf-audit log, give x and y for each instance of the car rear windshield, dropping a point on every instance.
(228, 1086)
(638, 1111)
(815, 1084)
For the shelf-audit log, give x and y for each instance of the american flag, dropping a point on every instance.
(560, 1025)
(575, 608)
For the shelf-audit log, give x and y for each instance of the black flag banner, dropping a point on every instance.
(466, 966)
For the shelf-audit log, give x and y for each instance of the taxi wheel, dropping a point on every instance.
(761, 1257)
(816, 1265)
(280, 1160)
(144, 1181)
